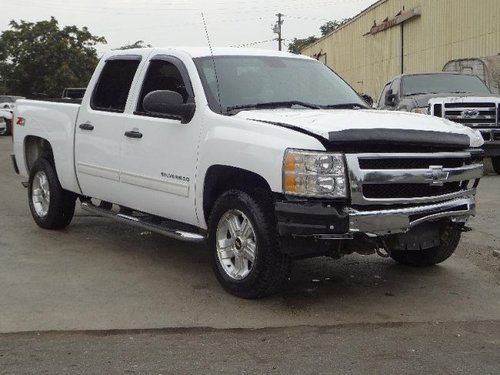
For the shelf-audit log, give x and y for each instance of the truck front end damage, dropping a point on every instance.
(397, 201)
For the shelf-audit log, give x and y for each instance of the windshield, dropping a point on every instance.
(443, 83)
(260, 81)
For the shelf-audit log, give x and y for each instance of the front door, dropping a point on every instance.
(159, 153)
(99, 130)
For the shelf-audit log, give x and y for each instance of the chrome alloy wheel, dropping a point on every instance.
(40, 194)
(236, 244)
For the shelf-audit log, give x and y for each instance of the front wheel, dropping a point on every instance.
(495, 161)
(450, 238)
(244, 243)
(51, 206)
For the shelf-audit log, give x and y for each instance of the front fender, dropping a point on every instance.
(249, 145)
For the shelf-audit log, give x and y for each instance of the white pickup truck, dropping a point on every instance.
(265, 155)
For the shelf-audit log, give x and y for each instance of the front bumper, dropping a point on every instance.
(491, 148)
(401, 220)
(491, 144)
(322, 221)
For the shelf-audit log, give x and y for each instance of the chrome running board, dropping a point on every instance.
(161, 226)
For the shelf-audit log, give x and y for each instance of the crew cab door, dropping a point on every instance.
(99, 129)
(158, 152)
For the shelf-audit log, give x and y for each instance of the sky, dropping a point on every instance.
(179, 23)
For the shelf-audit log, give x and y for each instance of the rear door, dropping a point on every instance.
(99, 129)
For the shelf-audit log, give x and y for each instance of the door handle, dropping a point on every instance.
(86, 126)
(133, 134)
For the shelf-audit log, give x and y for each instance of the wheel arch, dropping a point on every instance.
(36, 147)
(220, 178)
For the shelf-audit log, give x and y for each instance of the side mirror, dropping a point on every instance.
(367, 98)
(166, 102)
(390, 99)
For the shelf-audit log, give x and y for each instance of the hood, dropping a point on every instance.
(423, 100)
(341, 125)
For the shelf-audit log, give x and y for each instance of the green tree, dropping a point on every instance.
(330, 26)
(43, 57)
(138, 44)
(297, 45)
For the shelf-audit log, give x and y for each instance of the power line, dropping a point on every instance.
(308, 18)
(253, 43)
(146, 11)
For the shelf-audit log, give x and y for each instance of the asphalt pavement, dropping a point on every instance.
(101, 296)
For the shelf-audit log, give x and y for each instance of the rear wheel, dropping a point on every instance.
(51, 206)
(244, 243)
(495, 161)
(450, 238)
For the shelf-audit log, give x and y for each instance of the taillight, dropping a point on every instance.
(20, 121)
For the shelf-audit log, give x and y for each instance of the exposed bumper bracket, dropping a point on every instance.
(383, 222)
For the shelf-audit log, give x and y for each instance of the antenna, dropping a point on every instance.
(213, 60)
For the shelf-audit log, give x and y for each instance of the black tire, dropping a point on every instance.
(271, 267)
(450, 238)
(61, 207)
(495, 161)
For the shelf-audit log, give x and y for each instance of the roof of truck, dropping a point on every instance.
(205, 52)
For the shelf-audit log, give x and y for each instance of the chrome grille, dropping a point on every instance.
(472, 114)
(411, 178)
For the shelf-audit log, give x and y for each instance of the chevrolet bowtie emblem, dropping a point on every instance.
(436, 176)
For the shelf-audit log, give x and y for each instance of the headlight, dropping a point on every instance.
(314, 174)
(421, 110)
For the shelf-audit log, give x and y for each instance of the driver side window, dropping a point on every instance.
(162, 75)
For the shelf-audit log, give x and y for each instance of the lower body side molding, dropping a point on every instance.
(148, 222)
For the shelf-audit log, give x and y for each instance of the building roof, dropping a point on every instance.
(353, 19)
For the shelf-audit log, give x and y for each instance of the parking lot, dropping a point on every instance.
(101, 281)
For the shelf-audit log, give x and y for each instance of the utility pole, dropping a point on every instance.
(277, 29)
(403, 45)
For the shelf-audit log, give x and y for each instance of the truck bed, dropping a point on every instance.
(55, 122)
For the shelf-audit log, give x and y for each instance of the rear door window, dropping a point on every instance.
(113, 87)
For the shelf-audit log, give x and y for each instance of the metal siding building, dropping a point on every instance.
(439, 31)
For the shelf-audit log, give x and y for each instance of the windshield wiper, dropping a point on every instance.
(273, 105)
(344, 106)
(421, 93)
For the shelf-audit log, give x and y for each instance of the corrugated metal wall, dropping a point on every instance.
(446, 30)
